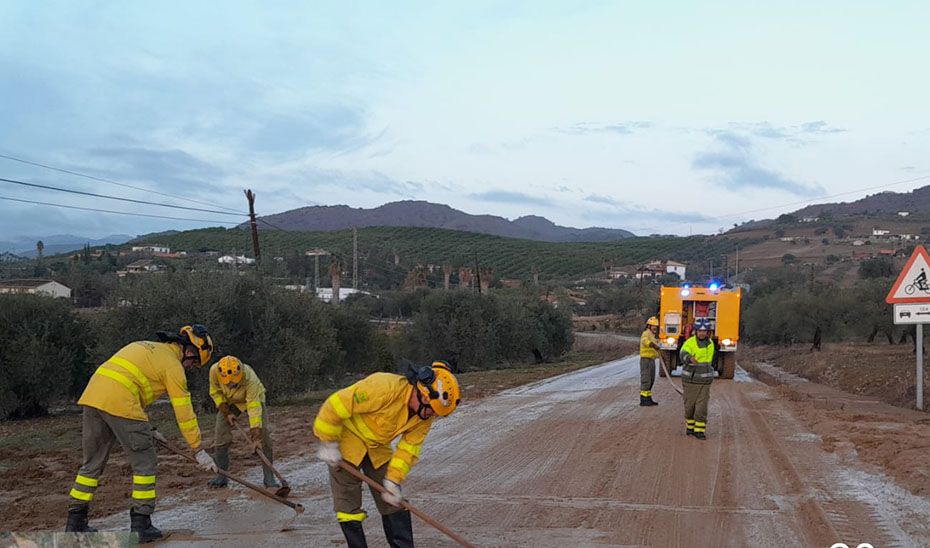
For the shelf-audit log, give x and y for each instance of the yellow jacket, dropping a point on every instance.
(366, 417)
(646, 341)
(248, 395)
(137, 375)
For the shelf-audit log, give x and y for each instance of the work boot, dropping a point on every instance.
(689, 432)
(77, 522)
(221, 458)
(398, 529)
(354, 533)
(141, 524)
(700, 435)
(643, 402)
(650, 401)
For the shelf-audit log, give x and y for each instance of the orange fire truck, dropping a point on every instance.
(681, 306)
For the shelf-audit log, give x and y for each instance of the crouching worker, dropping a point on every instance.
(235, 388)
(114, 403)
(359, 423)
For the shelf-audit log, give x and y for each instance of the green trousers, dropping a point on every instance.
(347, 492)
(101, 432)
(223, 436)
(697, 396)
(647, 376)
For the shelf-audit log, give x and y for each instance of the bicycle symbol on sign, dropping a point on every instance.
(920, 282)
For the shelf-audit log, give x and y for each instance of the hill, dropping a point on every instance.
(25, 246)
(915, 201)
(429, 215)
(381, 247)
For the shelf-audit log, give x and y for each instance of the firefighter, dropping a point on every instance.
(697, 356)
(235, 388)
(114, 403)
(648, 352)
(360, 422)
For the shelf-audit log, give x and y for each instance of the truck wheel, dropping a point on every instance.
(671, 360)
(728, 365)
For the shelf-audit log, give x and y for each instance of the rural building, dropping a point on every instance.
(809, 219)
(48, 288)
(678, 269)
(151, 248)
(880, 232)
(904, 213)
(144, 266)
(238, 259)
(325, 294)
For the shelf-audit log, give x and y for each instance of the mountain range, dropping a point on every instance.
(25, 246)
(427, 214)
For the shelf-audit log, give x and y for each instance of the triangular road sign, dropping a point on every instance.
(913, 283)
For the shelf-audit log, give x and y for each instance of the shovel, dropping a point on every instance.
(167, 445)
(285, 489)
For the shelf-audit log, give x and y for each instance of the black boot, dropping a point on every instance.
(643, 402)
(651, 401)
(77, 522)
(398, 529)
(700, 435)
(142, 525)
(354, 533)
(221, 458)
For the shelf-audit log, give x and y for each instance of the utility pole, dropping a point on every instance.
(478, 272)
(354, 258)
(737, 264)
(316, 272)
(250, 196)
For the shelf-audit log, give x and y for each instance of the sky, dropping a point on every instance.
(655, 117)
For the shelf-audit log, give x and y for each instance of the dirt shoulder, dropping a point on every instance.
(858, 399)
(39, 457)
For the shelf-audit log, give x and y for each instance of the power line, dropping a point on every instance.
(95, 195)
(117, 212)
(259, 219)
(110, 181)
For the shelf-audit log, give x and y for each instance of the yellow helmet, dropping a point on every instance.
(200, 339)
(440, 386)
(230, 370)
(653, 321)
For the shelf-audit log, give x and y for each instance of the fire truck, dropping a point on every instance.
(681, 306)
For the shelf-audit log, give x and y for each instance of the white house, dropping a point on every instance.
(880, 232)
(904, 213)
(809, 219)
(152, 248)
(325, 294)
(672, 267)
(239, 259)
(48, 288)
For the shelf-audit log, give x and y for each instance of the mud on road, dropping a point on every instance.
(574, 460)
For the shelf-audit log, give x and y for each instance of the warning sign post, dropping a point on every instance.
(910, 296)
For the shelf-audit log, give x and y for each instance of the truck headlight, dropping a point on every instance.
(727, 342)
(670, 340)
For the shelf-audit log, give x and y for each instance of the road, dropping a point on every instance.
(574, 460)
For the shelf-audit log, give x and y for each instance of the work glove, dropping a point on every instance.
(329, 453)
(205, 461)
(256, 435)
(392, 494)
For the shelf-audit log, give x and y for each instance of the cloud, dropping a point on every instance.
(591, 128)
(734, 165)
(820, 127)
(796, 134)
(170, 169)
(598, 199)
(908, 169)
(506, 197)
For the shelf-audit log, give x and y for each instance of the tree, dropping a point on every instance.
(876, 267)
(780, 233)
(788, 258)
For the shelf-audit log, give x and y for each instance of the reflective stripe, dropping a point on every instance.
(699, 429)
(255, 422)
(86, 481)
(120, 378)
(343, 517)
(327, 428)
(144, 480)
(188, 425)
(81, 495)
(183, 400)
(143, 494)
(412, 449)
(689, 421)
(254, 404)
(400, 465)
(339, 407)
(218, 399)
(143, 381)
(364, 430)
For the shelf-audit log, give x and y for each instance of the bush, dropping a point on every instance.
(475, 331)
(876, 267)
(43, 354)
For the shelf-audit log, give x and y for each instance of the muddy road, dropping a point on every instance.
(574, 460)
